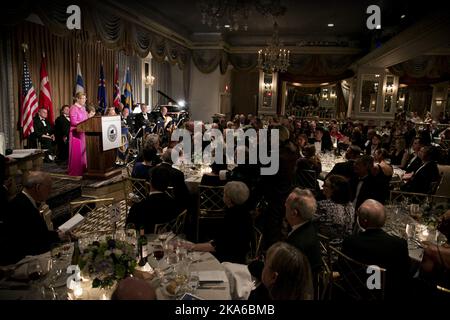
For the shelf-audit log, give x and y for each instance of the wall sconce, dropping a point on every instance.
(332, 94)
(149, 80)
(439, 103)
(389, 89)
(268, 86)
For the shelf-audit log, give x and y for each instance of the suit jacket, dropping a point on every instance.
(233, 240)
(157, 208)
(62, 128)
(28, 232)
(344, 169)
(369, 190)
(180, 190)
(305, 239)
(139, 121)
(376, 247)
(422, 180)
(40, 129)
(414, 165)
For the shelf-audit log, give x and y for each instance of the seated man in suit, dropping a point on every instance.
(142, 119)
(27, 231)
(158, 207)
(300, 208)
(365, 187)
(373, 246)
(44, 133)
(176, 180)
(422, 180)
(346, 169)
(413, 162)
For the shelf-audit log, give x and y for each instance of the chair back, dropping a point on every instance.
(176, 225)
(355, 280)
(135, 190)
(100, 214)
(324, 278)
(255, 245)
(211, 205)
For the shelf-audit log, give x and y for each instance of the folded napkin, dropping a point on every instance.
(22, 269)
(240, 280)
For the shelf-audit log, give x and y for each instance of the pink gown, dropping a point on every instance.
(77, 142)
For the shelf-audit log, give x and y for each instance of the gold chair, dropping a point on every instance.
(255, 245)
(211, 205)
(135, 190)
(351, 279)
(176, 225)
(324, 278)
(100, 214)
(306, 179)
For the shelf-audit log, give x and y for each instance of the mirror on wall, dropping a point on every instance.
(369, 91)
(310, 100)
(267, 92)
(388, 94)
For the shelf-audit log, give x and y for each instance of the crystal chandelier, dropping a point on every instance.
(274, 57)
(231, 15)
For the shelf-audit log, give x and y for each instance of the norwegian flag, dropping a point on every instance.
(116, 91)
(29, 106)
(45, 94)
(101, 93)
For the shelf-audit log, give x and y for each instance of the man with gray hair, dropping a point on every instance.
(28, 232)
(373, 246)
(300, 208)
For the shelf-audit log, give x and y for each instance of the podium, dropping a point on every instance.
(100, 163)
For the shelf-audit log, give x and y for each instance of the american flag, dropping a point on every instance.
(45, 98)
(29, 102)
(116, 91)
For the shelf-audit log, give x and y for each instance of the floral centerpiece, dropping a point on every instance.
(106, 262)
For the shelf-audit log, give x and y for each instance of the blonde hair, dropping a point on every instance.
(78, 95)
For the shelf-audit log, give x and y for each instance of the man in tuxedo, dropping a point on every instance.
(414, 161)
(158, 207)
(27, 231)
(62, 127)
(44, 133)
(365, 187)
(179, 190)
(422, 180)
(346, 169)
(300, 208)
(142, 119)
(373, 246)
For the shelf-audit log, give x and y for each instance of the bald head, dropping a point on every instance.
(133, 289)
(38, 185)
(371, 214)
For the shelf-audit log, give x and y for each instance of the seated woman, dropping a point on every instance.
(336, 213)
(399, 154)
(382, 171)
(287, 274)
(233, 242)
(141, 169)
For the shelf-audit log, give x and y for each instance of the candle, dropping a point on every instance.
(78, 291)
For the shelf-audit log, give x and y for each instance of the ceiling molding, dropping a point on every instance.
(426, 35)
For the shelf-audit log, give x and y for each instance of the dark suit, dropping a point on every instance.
(423, 178)
(157, 208)
(41, 129)
(305, 239)
(139, 122)
(376, 247)
(412, 166)
(233, 241)
(28, 232)
(180, 190)
(345, 169)
(369, 190)
(62, 127)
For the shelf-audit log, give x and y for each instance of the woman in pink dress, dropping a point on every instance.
(77, 143)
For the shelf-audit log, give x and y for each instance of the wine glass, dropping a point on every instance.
(35, 271)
